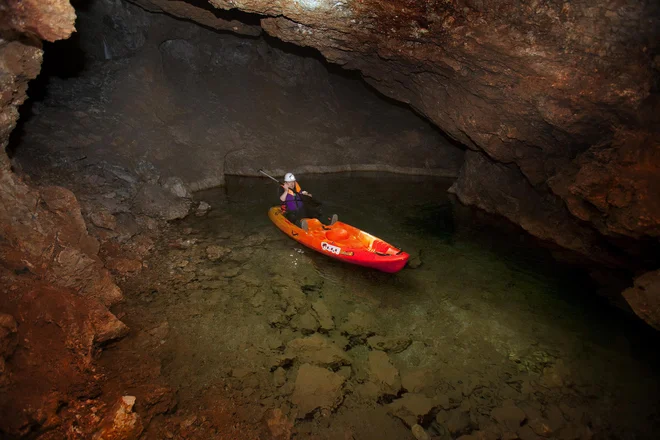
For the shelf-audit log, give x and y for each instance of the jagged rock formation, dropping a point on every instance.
(55, 289)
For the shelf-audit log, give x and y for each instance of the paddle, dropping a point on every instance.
(270, 177)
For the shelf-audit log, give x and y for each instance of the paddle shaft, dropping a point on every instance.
(270, 177)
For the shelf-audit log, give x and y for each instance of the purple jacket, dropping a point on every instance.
(293, 202)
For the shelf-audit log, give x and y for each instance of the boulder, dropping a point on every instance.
(306, 323)
(359, 324)
(419, 433)
(383, 373)
(509, 416)
(644, 297)
(202, 209)
(155, 201)
(316, 350)
(176, 187)
(411, 407)
(316, 388)
(122, 423)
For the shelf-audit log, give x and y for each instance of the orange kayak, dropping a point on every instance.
(343, 242)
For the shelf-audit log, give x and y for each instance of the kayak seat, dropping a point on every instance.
(337, 234)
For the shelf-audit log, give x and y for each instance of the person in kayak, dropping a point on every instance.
(299, 205)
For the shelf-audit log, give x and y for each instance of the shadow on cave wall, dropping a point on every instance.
(68, 59)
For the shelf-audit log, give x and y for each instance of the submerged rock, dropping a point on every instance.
(383, 373)
(156, 201)
(316, 388)
(419, 433)
(359, 324)
(411, 407)
(323, 315)
(202, 209)
(389, 344)
(510, 417)
(215, 252)
(317, 350)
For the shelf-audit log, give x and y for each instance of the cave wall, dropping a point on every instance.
(196, 104)
(55, 291)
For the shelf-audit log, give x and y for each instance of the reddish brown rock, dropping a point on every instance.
(49, 20)
(124, 266)
(122, 423)
(644, 297)
(278, 425)
(616, 185)
(316, 387)
(8, 335)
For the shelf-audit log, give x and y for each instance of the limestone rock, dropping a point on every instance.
(323, 315)
(316, 350)
(215, 252)
(279, 377)
(458, 421)
(411, 407)
(156, 201)
(279, 425)
(122, 423)
(202, 209)
(306, 323)
(177, 187)
(389, 344)
(8, 335)
(415, 261)
(383, 373)
(103, 219)
(419, 433)
(415, 381)
(359, 324)
(124, 266)
(644, 297)
(510, 417)
(315, 388)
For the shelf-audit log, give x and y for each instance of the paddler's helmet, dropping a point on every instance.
(289, 177)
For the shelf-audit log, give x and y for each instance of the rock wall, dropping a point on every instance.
(196, 104)
(55, 289)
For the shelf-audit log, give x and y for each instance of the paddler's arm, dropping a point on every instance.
(284, 194)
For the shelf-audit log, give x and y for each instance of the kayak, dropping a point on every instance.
(343, 242)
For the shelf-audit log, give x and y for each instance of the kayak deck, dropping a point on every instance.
(343, 242)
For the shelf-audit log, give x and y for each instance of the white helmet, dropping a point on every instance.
(289, 177)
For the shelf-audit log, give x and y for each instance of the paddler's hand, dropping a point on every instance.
(305, 193)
